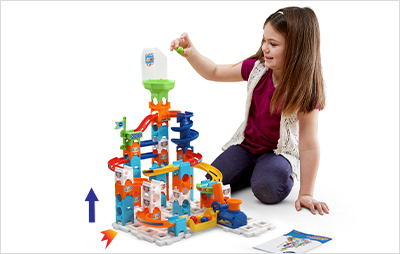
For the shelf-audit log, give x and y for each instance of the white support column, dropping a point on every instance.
(123, 174)
(151, 195)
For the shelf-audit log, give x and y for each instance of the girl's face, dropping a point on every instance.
(273, 48)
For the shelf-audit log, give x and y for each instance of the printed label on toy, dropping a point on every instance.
(128, 188)
(136, 199)
(136, 135)
(118, 175)
(163, 186)
(156, 216)
(226, 192)
(164, 156)
(149, 59)
(146, 202)
(180, 157)
(164, 144)
(146, 189)
(135, 149)
(225, 222)
(176, 194)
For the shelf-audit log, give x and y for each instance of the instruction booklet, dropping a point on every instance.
(293, 242)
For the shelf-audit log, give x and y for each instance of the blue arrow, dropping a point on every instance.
(91, 197)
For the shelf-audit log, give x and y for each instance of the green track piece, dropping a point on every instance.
(208, 190)
(129, 137)
(159, 88)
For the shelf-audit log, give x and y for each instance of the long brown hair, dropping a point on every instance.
(301, 86)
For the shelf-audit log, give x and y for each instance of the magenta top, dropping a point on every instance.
(262, 130)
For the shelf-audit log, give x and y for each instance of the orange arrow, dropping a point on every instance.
(109, 236)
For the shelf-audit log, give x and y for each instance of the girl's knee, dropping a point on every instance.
(270, 193)
(267, 195)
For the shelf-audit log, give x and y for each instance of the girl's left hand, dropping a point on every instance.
(310, 203)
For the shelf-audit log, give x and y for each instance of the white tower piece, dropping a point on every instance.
(180, 196)
(123, 174)
(151, 195)
(163, 144)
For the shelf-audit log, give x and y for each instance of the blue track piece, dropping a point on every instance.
(184, 127)
(193, 135)
(184, 169)
(148, 155)
(135, 164)
(181, 209)
(161, 177)
(154, 166)
(184, 117)
(163, 200)
(148, 143)
(177, 163)
(159, 133)
(124, 209)
(186, 134)
(136, 172)
(180, 225)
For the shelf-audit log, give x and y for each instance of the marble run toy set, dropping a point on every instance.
(144, 206)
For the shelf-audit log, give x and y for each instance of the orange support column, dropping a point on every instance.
(162, 157)
(132, 150)
(204, 201)
(218, 195)
(123, 190)
(163, 112)
(182, 183)
(155, 158)
(179, 155)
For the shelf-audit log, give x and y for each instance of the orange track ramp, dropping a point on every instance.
(144, 218)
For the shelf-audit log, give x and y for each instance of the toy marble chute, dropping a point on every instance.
(154, 64)
(143, 205)
(154, 73)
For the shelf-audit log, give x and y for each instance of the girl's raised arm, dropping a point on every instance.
(204, 66)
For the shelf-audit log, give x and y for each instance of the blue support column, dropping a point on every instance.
(176, 208)
(184, 169)
(181, 209)
(124, 209)
(191, 194)
(180, 225)
(135, 164)
(159, 133)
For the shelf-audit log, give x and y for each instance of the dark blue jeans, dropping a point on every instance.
(267, 174)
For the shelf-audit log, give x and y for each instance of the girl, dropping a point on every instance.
(285, 92)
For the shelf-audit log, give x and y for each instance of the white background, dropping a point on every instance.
(69, 70)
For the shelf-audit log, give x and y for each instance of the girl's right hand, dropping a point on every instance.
(185, 43)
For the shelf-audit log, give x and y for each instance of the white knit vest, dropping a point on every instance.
(288, 143)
